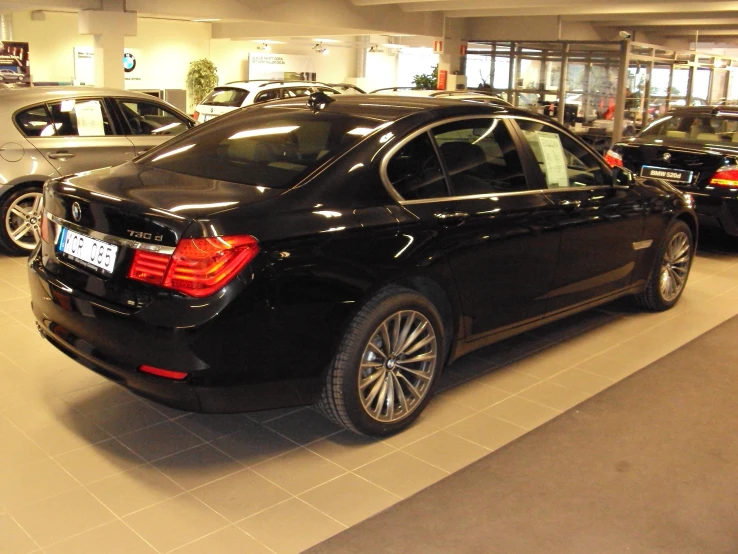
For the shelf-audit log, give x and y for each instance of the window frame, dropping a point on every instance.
(523, 149)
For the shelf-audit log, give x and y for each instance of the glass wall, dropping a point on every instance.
(529, 75)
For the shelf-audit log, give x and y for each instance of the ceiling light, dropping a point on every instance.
(320, 49)
(264, 47)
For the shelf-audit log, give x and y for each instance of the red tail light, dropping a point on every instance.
(725, 177)
(613, 159)
(195, 115)
(149, 267)
(159, 372)
(198, 267)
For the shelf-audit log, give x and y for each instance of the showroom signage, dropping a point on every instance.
(281, 67)
(84, 67)
(15, 67)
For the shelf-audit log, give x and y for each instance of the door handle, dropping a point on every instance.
(61, 155)
(450, 216)
(570, 204)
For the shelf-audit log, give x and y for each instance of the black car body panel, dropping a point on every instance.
(327, 244)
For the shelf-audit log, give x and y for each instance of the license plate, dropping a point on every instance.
(677, 175)
(91, 253)
(207, 117)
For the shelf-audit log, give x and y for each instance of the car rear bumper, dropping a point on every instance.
(718, 211)
(80, 328)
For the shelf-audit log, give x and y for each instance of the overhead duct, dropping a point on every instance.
(6, 26)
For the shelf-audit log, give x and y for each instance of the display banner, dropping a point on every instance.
(84, 67)
(15, 67)
(281, 67)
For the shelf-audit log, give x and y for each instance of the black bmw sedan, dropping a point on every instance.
(343, 251)
(695, 149)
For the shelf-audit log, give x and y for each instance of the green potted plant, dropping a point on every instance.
(202, 78)
(425, 81)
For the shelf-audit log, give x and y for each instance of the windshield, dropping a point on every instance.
(222, 96)
(261, 150)
(703, 128)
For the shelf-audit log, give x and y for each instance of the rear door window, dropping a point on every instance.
(79, 118)
(268, 95)
(480, 157)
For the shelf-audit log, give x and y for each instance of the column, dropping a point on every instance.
(109, 28)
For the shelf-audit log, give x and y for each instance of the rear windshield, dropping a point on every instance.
(223, 96)
(261, 150)
(703, 128)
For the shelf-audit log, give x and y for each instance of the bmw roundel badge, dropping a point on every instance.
(666, 157)
(76, 211)
(129, 62)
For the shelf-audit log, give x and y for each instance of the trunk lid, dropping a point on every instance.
(701, 160)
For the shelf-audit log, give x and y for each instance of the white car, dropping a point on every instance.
(232, 96)
(473, 95)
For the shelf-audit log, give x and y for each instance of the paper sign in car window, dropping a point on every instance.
(553, 157)
(89, 119)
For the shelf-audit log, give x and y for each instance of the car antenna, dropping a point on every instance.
(318, 101)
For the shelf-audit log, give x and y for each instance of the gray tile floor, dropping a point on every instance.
(86, 467)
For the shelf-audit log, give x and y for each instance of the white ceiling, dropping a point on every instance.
(710, 20)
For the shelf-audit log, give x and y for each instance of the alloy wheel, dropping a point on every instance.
(397, 366)
(23, 220)
(675, 266)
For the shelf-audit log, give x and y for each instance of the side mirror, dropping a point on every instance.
(622, 177)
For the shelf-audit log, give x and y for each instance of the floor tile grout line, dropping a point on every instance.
(88, 491)
(34, 541)
(174, 551)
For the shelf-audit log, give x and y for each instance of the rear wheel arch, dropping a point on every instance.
(691, 222)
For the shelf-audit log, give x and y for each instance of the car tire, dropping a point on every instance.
(367, 388)
(670, 270)
(21, 209)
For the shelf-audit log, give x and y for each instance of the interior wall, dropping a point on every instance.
(165, 49)
(231, 59)
(50, 44)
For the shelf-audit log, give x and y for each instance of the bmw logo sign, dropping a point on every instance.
(666, 157)
(76, 211)
(129, 62)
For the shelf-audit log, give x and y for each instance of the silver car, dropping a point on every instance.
(51, 131)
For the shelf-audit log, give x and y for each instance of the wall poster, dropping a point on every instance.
(15, 67)
(281, 67)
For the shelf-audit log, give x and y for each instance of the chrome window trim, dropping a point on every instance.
(498, 194)
(425, 128)
(111, 239)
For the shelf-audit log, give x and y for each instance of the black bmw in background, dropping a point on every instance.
(343, 251)
(695, 149)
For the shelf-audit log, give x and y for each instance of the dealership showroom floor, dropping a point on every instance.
(85, 466)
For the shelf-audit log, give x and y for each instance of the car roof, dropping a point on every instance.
(31, 95)
(705, 110)
(268, 84)
(384, 108)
